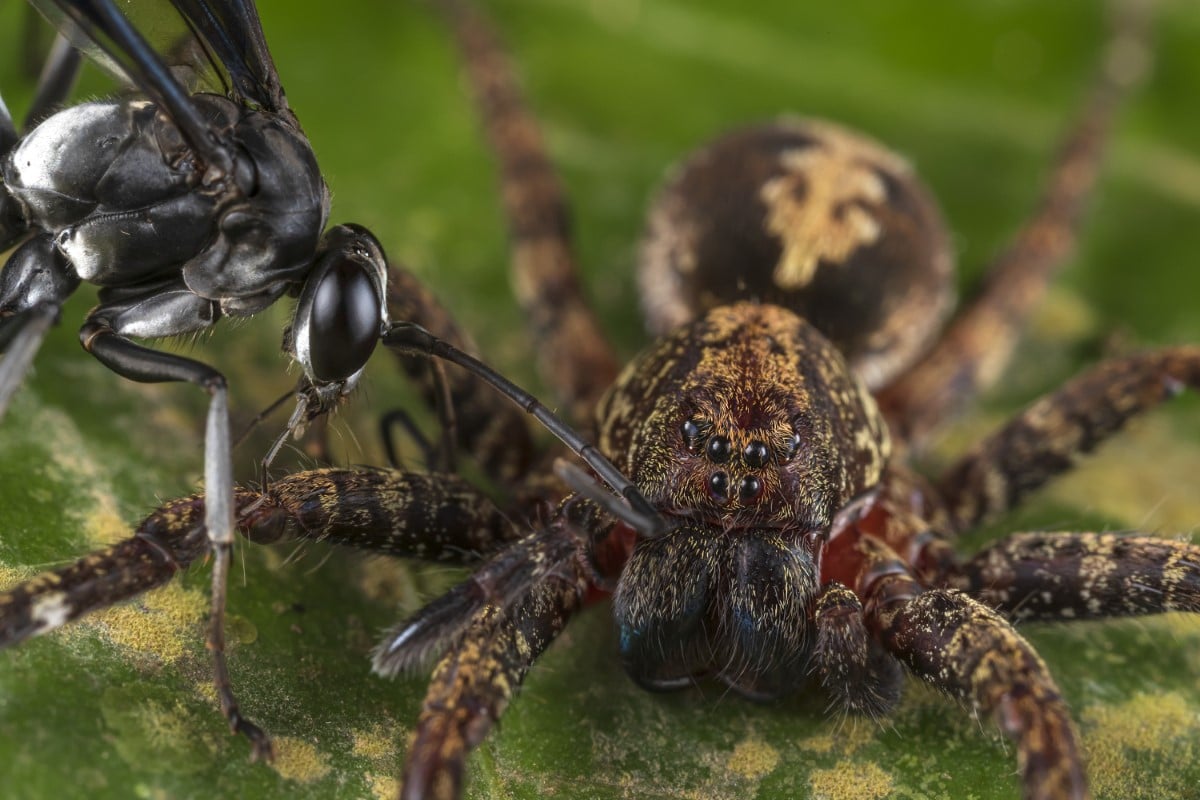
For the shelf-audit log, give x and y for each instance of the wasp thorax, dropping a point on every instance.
(745, 417)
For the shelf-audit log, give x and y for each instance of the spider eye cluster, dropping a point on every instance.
(700, 438)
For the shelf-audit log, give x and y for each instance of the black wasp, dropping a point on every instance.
(185, 208)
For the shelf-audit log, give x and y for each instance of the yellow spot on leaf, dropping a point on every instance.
(11, 576)
(753, 758)
(375, 744)
(1121, 739)
(845, 741)
(384, 787)
(297, 760)
(164, 623)
(850, 781)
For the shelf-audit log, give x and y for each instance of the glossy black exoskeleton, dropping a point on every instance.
(183, 208)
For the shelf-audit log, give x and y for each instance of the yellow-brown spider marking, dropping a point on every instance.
(767, 536)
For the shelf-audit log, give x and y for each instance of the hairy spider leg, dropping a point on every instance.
(978, 343)
(1069, 576)
(575, 358)
(499, 641)
(1051, 435)
(532, 589)
(963, 648)
(431, 517)
(472, 684)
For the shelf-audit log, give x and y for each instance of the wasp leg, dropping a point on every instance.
(8, 130)
(100, 337)
(574, 356)
(965, 649)
(1049, 437)
(474, 681)
(477, 420)
(977, 345)
(34, 284)
(1058, 576)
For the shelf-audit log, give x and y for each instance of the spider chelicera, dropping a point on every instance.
(1062, 671)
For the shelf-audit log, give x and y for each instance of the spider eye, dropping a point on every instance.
(718, 486)
(749, 489)
(756, 454)
(693, 434)
(343, 321)
(719, 449)
(790, 446)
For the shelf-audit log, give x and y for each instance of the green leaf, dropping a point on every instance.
(974, 94)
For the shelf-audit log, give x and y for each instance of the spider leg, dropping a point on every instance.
(1058, 576)
(474, 681)
(167, 541)
(977, 344)
(574, 356)
(962, 647)
(854, 669)
(476, 419)
(433, 517)
(1049, 436)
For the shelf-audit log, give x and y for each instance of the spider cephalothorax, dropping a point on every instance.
(769, 535)
(745, 417)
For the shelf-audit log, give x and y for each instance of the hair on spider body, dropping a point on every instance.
(772, 538)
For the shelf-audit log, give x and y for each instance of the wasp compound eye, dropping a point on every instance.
(343, 322)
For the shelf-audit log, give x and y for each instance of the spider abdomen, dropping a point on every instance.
(810, 216)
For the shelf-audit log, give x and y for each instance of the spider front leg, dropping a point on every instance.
(167, 541)
(965, 649)
(512, 617)
(432, 517)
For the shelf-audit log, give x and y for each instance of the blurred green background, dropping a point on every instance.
(974, 93)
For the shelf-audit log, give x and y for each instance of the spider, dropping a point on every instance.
(1064, 669)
